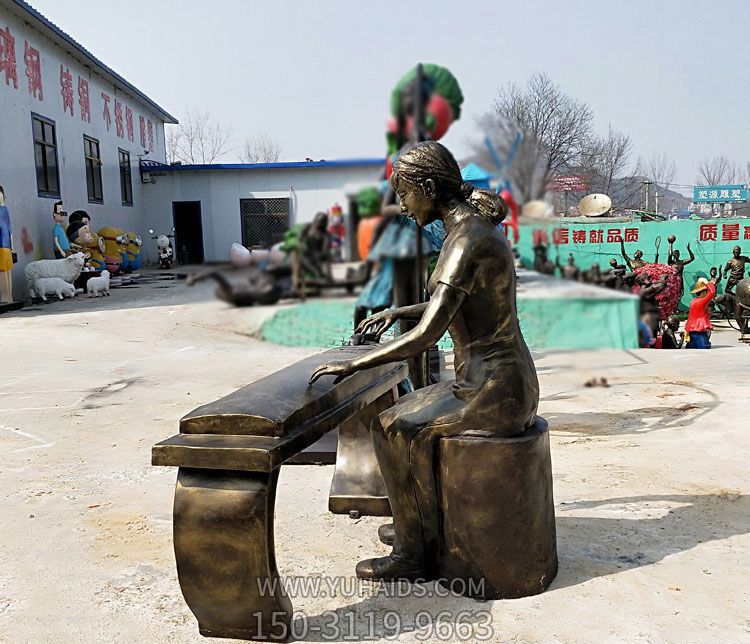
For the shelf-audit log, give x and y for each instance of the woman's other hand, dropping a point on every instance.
(378, 323)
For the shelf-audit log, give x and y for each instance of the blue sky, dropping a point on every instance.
(316, 76)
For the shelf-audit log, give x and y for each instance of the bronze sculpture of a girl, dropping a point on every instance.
(496, 392)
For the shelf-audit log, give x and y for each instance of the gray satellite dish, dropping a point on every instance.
(594, 205)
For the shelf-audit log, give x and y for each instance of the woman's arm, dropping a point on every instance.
(438, 314)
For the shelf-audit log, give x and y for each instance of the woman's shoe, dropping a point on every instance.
(387, 534)
(392, 568)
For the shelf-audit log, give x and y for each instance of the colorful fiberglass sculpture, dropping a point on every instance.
(115, 242)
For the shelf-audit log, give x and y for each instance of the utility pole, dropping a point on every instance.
(647, 184)
(656, 199)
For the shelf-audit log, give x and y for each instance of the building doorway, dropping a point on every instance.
(188, 232)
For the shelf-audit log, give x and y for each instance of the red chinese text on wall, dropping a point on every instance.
(83, 99)
(129, 123)
(150, 136)
(33, 70)
(562, 236)
(142, 124)
(66, 89)
(106, 113)
(119, 127)
(708, 232)
(8, 57)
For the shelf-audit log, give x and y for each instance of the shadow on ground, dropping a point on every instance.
(610, 545)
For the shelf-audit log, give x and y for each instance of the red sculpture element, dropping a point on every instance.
(441, 116)
(670, 296)
(33, 70)
(129, 123)
(560, 236)
(8, 57)
(106, 114)
(66, 89)
(513, 207)
(150, 136)
(631, 234)
(119, 128)
(83, 99)
(596, 236)
(730, 232)
(539, 237)
(699, 316)
(614, 235)
(579, 236)
(26, 243)
(708, 232)
(142, 123)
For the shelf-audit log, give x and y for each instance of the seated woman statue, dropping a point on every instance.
(496, 391)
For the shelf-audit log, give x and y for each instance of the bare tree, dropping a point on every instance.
(260, 149)
(554, 128)
(172, 142)
(659, 168)
(605, 158)
(197, 139)
(717, 171)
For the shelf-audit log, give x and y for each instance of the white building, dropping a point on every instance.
(212, 206)
(71, 129)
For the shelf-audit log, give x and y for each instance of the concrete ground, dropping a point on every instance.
(650, 473)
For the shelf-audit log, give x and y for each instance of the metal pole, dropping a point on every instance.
(418, 136)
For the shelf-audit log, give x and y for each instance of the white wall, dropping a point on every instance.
(32, 213)
(312, 189)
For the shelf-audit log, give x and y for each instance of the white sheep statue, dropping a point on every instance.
(53, 286)
(98, 286)
(67, 269)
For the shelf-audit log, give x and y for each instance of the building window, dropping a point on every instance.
(264, 221)
(93, 169)
(45, 156)
(126, 181)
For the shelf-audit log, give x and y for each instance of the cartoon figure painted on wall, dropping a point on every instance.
(60, 241)
(114, 241)
(6, 252)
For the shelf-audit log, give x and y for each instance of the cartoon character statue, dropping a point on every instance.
(6, 252)
(114, 242)
(134, 251)
(60, 242)
(95, 251)
(337, 230)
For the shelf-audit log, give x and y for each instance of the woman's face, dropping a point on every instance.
(416, 203)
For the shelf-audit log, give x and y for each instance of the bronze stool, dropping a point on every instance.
(498, 514)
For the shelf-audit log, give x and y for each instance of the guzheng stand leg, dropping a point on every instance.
(224, 547)
(357, 482)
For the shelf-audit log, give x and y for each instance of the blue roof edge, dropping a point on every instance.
(166, 116)
(340, 163)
